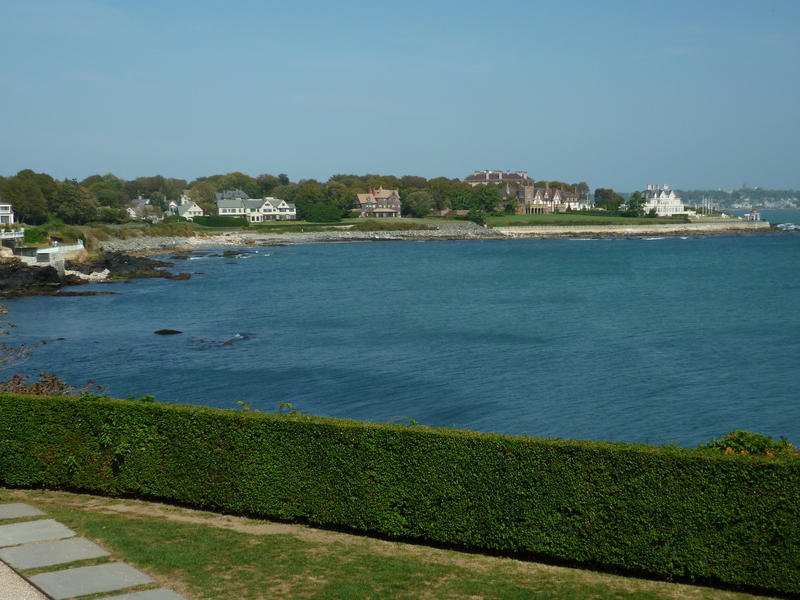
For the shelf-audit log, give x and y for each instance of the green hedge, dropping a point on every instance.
(221, 221)
(661, 512)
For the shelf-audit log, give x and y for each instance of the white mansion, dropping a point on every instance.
(236, 203)
(663, 200)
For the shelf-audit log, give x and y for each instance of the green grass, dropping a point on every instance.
(565, 219)
(208, 556)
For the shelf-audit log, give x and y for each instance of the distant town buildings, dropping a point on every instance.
(487, 177)
(663, 200)
(236, 203)
(6, 214)
(378, 203)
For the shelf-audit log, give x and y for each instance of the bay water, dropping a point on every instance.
(656, 340)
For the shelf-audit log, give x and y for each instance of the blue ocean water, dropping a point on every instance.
(642, 340)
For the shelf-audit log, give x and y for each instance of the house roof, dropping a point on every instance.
(230, 203)
(230, 195)
(379, 194)
(253, 204)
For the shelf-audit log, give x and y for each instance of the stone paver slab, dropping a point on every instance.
(44, 554)
(90, 580)
(33, 531)
(16, 510)
(148, 595)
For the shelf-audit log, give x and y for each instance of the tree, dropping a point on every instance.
(607, 198)
(74, 204)
(486, 198)
(239, 181)
(266, 183)
(339, 196)
(476, 215)
(320, 213)
(417, 204)
(635, 205)
(30, 205)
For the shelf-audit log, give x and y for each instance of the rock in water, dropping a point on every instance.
(167, 332)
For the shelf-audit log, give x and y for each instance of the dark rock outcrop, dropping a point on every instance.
(17, 278)
(122, 266)
(167, 332)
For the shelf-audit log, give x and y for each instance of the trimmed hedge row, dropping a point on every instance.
(662, 512)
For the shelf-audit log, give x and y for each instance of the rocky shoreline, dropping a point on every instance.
(461, 230)
(19, 279)
(125, 259)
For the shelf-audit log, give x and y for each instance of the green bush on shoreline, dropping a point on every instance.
(663, 512)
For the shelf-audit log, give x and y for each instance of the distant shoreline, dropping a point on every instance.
(447, 231)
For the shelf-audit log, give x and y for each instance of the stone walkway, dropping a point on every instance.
(37, 542)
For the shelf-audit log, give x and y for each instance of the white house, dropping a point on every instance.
(663, 200)
(187, 209)
(256, 210)
(6, 214)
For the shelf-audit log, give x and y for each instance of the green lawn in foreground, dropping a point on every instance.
(578, 219)
(208, 556)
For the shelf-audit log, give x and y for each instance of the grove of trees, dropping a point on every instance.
(37, 197)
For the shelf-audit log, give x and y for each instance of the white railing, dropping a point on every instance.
(54, 249)
(9, 235)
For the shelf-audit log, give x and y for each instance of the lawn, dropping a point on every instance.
(209, 556)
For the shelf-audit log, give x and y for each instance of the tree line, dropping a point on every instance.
(37, 197)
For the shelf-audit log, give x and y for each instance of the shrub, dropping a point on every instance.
(35, 235)
(664, 512)
(321, 213)
(476, 215)
(745, 442)
(220, 221)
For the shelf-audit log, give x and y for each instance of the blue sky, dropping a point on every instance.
(617, 94)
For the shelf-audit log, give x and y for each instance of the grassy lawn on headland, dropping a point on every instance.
(205, 555)
(564, 219)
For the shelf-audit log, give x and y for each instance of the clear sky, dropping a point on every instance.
(696, 94)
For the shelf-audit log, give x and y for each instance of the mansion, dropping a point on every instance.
(378, 203)
(663, 200)
(532, 200)
(487, 177)
(236, 203)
